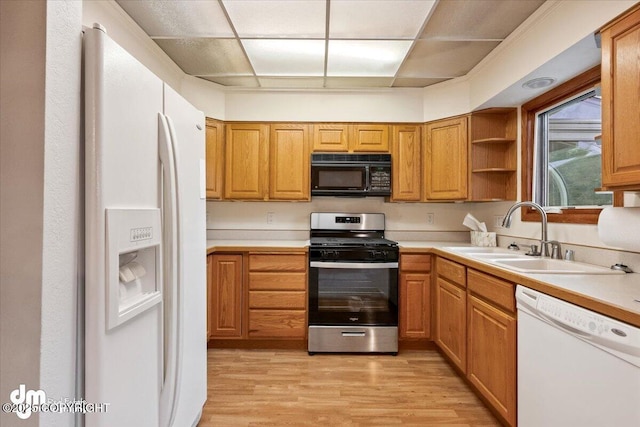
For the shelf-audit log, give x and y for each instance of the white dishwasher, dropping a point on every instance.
(575, 367)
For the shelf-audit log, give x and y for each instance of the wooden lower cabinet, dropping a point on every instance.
(451, 326)
(475, 316)
(226, 295)
(277, 295)
(491, 355)
(257, 295)
(414, 303)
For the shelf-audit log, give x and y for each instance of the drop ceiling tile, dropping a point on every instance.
(232, 81)
(365, 58)
(275, 19)
(358, 82)
(285, 57)
(416, 82)
(441, 59)
(478, 19)
(291, 82)
(180, 19)
(207, 56)
(377, 19)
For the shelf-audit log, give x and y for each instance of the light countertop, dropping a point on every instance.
(614, 295)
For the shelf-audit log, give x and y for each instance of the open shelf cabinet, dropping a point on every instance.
(493, 154)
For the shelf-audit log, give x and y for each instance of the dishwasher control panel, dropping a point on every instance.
(574, 316)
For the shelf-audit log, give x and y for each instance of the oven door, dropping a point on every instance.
(353, 293)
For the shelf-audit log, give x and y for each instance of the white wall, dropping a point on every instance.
(22, 58)
(553, 29)
(40, 202)
(401, 105)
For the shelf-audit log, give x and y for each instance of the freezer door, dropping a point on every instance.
(122, 365)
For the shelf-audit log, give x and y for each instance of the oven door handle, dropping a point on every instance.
(354, 265)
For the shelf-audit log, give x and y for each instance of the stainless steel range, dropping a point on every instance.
(353, 284)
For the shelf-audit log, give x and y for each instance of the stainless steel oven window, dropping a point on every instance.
(354, 293)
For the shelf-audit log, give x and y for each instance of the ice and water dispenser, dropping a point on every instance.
(134, 263)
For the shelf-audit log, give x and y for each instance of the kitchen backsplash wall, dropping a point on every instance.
(406, 221)
(289, 219)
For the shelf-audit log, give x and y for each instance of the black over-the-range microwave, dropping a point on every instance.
(355, 175)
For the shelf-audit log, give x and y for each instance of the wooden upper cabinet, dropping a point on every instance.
(445, 159)
(493, 154)
(289, 160)
(620, 101)
(331, 137)
(344, 137)
(246, 161)
(406, 160)
(215, 158)
(370, 138)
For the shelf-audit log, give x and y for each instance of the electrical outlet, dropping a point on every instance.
(271, 216)
(430, 218)
(497, 220)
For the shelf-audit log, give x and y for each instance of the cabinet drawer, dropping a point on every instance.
(278, 262)
(277, 323)
(451, 270)
(277, 281)
(415, 262)
(278, 299)
(495, 290)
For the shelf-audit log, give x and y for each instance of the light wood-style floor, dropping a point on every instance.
(291, 388)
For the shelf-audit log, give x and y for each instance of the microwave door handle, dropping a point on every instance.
(367, 182)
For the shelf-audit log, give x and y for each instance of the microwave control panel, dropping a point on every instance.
(379, 178)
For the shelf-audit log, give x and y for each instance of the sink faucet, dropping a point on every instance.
(506, 223)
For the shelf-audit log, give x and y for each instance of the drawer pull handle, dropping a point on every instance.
(354, 334)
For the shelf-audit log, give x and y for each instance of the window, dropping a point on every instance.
(561, 157)
(568, 157)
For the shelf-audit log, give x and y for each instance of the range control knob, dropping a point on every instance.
(329, 254)
(377, 254)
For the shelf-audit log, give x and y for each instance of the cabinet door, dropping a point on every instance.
(445, 159)
(246, 161)
(451, 334)
(405, 154)
(215, 158)
(414, 305)
(491, 353)
(210, 309)
(226, 296)
(331, 137)
(289, 162)
(369, 138)
(621, 103)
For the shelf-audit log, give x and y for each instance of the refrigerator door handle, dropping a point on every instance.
(170, 214)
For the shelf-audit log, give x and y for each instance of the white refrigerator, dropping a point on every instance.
(145, 241)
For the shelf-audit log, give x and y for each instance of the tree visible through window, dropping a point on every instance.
(568, 149)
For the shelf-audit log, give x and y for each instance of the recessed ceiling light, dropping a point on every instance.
(538, 83)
